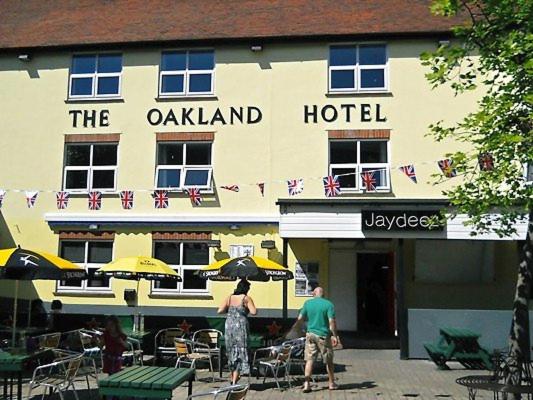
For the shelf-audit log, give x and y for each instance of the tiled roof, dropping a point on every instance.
(52, 23)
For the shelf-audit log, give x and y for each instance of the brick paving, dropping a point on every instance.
(362, 375)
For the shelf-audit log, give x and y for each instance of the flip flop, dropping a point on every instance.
(306, 389)
(333, 387)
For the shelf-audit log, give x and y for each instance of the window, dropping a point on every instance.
(185, 73)
(305, 278)
(350, 158)
(95, 75)
(186, 258)
(246, 250)
(183, 165)
(88, 254)
(90, 167)
(358, 68)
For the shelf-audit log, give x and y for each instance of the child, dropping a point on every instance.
(115, 344)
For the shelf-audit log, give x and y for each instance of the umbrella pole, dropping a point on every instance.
(137, 318)
(29, 313)
(15, 300)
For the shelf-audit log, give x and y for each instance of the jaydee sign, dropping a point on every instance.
(396, 220)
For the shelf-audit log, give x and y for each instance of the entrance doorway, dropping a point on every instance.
(375, 293)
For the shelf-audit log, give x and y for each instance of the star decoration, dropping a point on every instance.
(273, 329)
(185, 326)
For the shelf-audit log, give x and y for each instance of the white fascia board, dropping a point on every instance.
(155, 219)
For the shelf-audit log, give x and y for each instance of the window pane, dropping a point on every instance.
(168, 284)
(96, 282)
(343, 79)
(201, 60)
(347, 181)
(100, 252)
(372, 78)
(172, 84)
(192, 281)
(341, 152)
(200, 83)
(342, 55)
(380, 176)
(109, 63)
(168, 178)
(77, 155)
(173, 61)
(103, 179)
(198, 154)
(82, 87)
(85, 64)
(168, 252)
(374, 152)
(105, 154)
(372, 54)
(169, 154)
(73, 251)
(195, 254)
(76, 179)
(196, 177)
(108, 85)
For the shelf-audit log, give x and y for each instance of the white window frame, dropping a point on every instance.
(357, 68)
(184, 169)
(95, 76)
(360, 166)
(304, 277)
(86, 265)
(186, 73)
(179, 269)
(90, 168)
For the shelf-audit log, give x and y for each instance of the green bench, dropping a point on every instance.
(145, 382)
(461, 345)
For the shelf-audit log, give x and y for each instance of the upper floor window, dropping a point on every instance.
(90, 166)
(91, 255)
(95, 75)
(358, 68)
(186, 258)
(350, 158)
(183, 165)
(187, 73)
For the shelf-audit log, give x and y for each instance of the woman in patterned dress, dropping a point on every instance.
(238, 306)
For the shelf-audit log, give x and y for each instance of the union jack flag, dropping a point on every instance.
(95, 200)
(31, 198)
(261, 186)
(295, 186)
(369, 182)
(195, 196)
(62, 200)
(160, 198)
(126, 198)
(409, 171)
(2, 197)
(233, 188)
(486, 162)
(446, 166)
(332, 187)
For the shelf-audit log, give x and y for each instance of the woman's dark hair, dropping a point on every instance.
(242, 287)
(115, 321)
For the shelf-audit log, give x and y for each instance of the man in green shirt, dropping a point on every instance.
(321, 335)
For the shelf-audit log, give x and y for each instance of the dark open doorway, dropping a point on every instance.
(375, 289)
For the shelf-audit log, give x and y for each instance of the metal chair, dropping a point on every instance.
(134, 351)
(57, 376)
(49, 340)
(211, 337)
(186, 351)
(274, 360)
(233, 392)
(92, 361)
(164, 343)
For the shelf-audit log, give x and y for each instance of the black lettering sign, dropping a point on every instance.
(330, 113)
(89, 118)
(396, 220)
(199, 116)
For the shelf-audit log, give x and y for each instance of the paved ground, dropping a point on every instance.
(362, 374)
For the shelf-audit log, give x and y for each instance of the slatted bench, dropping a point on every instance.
(146, 382)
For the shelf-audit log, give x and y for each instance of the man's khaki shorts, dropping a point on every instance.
(315, 344)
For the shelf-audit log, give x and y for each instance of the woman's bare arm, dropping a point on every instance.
(251, 306)
(223, 307)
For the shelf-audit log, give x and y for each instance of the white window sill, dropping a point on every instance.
(95, 99)
(169, 295)
(113, 192)
(83, 293)
(207, 96)
(383, 92)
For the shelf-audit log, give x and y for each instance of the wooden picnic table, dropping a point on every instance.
(145, 382)
(13, 363)
(459, 344)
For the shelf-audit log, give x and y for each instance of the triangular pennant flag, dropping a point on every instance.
(446, 166)
(332, 187)
(62, 200)
(486, 162)
(126, 198)
(31, 197)
(409, 171)
(369, 182)
(160, 198)
(2, 197)
(232, 188)
(95, 200)
(195, 196)
(261, 186)
(295, 186)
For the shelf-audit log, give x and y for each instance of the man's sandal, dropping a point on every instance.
(306, 389)
(333, 387)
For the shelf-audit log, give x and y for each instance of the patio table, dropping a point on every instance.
(145, 382)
